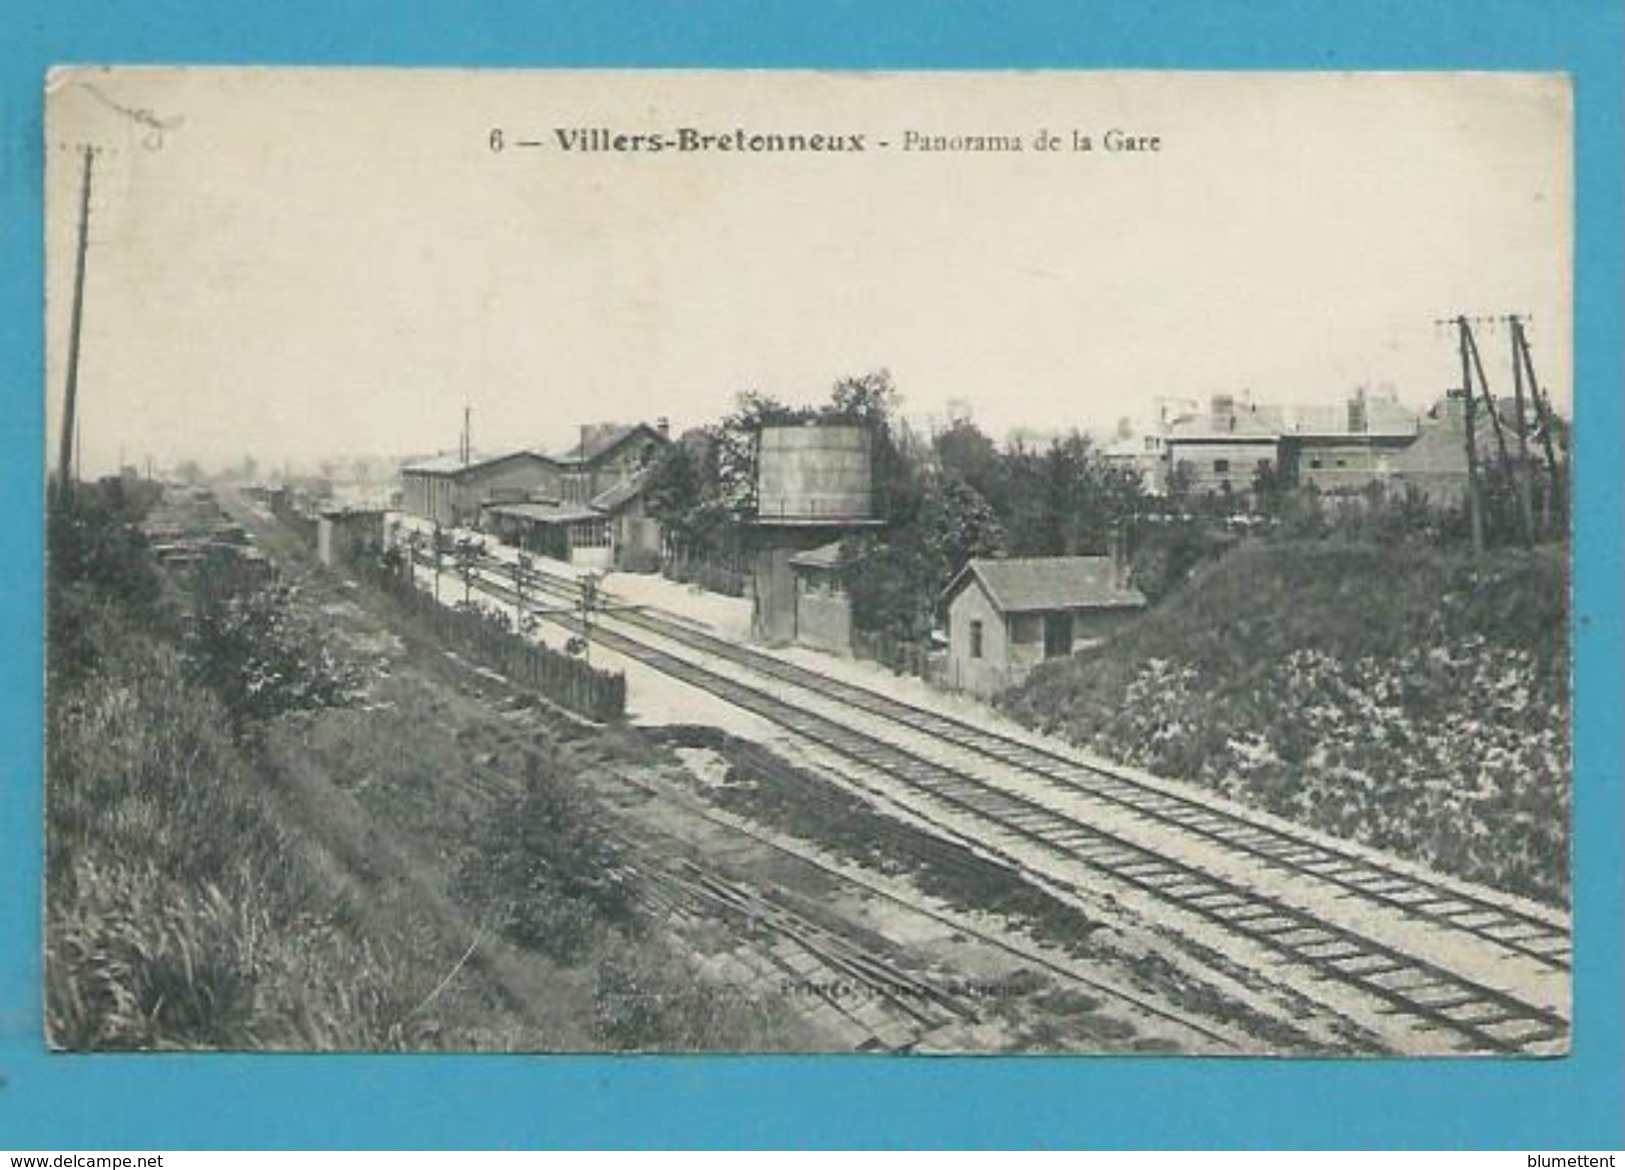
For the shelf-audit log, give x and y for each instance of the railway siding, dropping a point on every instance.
(1526, 992)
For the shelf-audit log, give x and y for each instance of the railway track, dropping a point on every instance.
(891, 1008)
(848, 977)
(885, 1006)
(1539, 939)
(1425, 996)
(894, 1007)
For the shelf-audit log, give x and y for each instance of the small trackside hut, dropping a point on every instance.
(344, 535)
(1007, 616)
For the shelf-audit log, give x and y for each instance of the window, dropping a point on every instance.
(1314, 463)
(590, 534)
(976, 639)
(1221, 467)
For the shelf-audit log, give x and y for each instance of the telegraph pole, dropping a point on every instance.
(1543, 416)
(70, 421)
(1474, 510)
(1525, 496)
(1489, 399)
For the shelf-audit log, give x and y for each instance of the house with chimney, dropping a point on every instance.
(1220, 449)
(1005, 616)
(1349, 446)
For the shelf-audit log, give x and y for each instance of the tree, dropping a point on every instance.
(958, 525)
(734, 442)
(1067, 500)
(247, 645)
(1271, 488)
(893, 580)
(674, 492)
(964, 452)
(896, 458)
(871, 399)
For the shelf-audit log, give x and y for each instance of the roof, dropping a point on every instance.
(598, 441)
(454, 464)
(352, 513)
(1245, 423)
(825, 556)
(1031, 584)
(621, 493)
(1384, 419)
(546, 513)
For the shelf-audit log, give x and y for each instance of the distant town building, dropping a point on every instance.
(1007, 616)
(1368, 439)
(1222, 449)
(1348, 446)
(1140, 445)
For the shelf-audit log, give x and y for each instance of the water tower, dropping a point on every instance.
(814, 485)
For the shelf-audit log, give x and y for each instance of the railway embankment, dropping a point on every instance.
(1412, 699)
(278, 820)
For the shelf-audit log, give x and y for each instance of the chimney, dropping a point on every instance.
(1224, 412)
(1117, 549)
(1358, 421)
(663, 425)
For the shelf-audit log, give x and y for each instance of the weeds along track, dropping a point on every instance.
(1543, 939)
(1424, 996)
(892, 1007)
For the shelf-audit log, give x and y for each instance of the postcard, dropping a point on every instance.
(728, 561)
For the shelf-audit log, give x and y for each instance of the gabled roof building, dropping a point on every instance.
(1006, 616)
(450, 490)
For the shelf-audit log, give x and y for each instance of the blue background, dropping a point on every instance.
(55, 1102)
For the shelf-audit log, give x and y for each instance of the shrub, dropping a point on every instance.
(548, 866)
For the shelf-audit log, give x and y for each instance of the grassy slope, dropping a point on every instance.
(302, 895)
(1396, 695)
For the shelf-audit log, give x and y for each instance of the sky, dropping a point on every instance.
(297, 264)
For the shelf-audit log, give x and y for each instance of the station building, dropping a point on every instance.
(585, 507)
(451, 491)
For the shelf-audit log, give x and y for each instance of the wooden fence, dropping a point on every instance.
(717, 575)
(486, 637)
(898, 655)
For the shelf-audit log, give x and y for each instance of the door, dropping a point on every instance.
(1057, 635)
